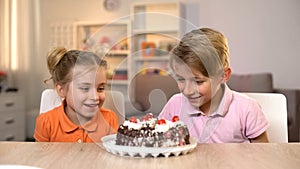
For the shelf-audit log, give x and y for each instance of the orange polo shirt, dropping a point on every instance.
(55, 126)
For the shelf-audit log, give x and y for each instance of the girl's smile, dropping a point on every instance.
(89, 90)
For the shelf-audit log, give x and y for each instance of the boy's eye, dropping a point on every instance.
(181, 80)
(199, 82)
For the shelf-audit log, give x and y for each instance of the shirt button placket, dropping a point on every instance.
(79, 136)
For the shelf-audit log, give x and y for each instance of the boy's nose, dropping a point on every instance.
(188, 88)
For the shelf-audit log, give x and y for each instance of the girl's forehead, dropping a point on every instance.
(85, 68)
(82, 70)
(83, 73)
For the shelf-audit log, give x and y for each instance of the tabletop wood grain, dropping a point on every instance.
(206, 156)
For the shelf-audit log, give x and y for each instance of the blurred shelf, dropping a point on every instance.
(117, 82)
(158, 31)
(154, 58)
(118, 53)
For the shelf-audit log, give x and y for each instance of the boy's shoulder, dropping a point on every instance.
(242, 97)
(243, 101)
(177, 97)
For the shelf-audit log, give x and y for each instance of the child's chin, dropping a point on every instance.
(92, 112)
(196, 106)
(88, 116)
(195, 103)
(89, 113)
(91, 109)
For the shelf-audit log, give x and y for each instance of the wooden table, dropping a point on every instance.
(204, 156)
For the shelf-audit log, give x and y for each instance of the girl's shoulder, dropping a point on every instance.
(107, 112)
(44, 121)
(51, 115)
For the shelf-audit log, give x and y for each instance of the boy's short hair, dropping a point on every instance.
(205, 50)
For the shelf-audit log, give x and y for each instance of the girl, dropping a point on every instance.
(212, 112)
(79, 78)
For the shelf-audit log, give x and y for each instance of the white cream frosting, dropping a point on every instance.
(167, 126)
(151, 122)
(180, 123)
(161, 128)
(132, 125)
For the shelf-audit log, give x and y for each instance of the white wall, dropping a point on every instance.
(263, 35)
(60, 11)
(42, 15)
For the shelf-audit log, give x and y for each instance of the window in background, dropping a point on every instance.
(8, 37)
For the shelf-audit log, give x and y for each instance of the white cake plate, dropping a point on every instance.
(109, 143)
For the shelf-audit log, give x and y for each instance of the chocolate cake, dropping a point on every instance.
(152, 132)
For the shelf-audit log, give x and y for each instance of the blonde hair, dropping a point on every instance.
(60, 62)
(219, 41)
(205, 50)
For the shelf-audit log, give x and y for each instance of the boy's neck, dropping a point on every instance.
(210, 108)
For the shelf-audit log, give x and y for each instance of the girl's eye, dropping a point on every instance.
(100, 89)
(84, 88)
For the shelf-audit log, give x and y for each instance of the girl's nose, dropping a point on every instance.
(94, 95)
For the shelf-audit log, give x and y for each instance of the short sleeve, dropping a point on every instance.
(111, 118)
(114, 121)
(42, 128)
(256, 122)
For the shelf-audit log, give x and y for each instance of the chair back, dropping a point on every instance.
(274, 106)
(49, 100)
(150, 92)
(114, 101)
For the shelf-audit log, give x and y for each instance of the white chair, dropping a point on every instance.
(114, 101)
(274, 105)
(49, 100)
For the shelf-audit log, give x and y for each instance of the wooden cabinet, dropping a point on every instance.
(12, 117)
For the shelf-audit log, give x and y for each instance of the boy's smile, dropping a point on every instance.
(197, 88)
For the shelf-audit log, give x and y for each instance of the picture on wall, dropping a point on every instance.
(148, 49)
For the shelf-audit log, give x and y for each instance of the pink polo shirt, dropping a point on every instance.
(237, 119)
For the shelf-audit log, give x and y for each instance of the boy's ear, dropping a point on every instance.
(226, 75)
(60, 90)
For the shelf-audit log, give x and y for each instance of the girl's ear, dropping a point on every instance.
(60, 90)
(226, 75)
